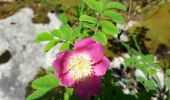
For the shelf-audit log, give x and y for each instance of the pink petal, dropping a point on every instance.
(83, 43)
(88, 87)
(61, 61)
(101, 67)
(66, 79)
(95, 51)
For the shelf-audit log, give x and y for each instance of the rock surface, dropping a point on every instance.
(20, 56)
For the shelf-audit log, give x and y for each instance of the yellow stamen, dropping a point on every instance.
(80, 66)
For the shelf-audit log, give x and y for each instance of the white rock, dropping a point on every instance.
(116, 63)
(27, 56)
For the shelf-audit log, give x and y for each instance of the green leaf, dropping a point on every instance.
(109, 28)
(35, 95)
(130, 60)
(88, 25)
(50, 45)
(57, 33)
(63, 18)
(66, 96)
(101, 37)
(140, 79)
(45, 36)
(114, 16)
(84, 34)
(50, 70)
(77, 31)
(152, 71)
(168, 72)
(147, 59)
(69, 91)
(168, 83)
(45, 83)
(95, 5)
(67, 32)
(64, 46)
(115, 5)
(89, 19)
(150, 84)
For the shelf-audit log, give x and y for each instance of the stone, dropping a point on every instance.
(17, 37)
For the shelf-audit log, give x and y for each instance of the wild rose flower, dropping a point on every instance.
(82, 68)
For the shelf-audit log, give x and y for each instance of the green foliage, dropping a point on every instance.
(64, 46)
(50, 70)
(95, 5)
(114, 16)
(42, 86)
(168, 83)
(146, 63)
(50, 45)
(168, 72)
(89, 19)
(109, 28)
(57, 33)
(115, 5)
(130, 60)
(63, 18)
(98, 22)
(45, 83)
(67, 33)
(35, 95)
(45, 36)
(101, 37)
(149, 84)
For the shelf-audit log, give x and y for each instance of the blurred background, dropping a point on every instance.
(21, 59)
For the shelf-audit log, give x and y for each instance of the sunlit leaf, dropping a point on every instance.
(114, 16)
(109, 28)
(116, 5)
(64, 46)
(63, 18)
(50, 45)
(35, 95)
(67, 32)
(147, 58)
(57, 33)
(150, 84)
(88, 25)
(89, 19)
(66, 96)
(45, 83)
(130, 60)
(45, 36)
(101, 37)
(95, 5)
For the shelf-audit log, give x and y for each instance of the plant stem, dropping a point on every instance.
(98, 24)
(136, 44)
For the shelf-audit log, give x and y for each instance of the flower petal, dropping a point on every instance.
(95, 51)
(83, 43)
(101, 67)
(88, 87)
(61, 61)
(66, 79)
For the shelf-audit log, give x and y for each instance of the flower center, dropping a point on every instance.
(80, 66)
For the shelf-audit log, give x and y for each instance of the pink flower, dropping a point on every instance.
(82, 68)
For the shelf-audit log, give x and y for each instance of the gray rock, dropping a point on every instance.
(23, 56)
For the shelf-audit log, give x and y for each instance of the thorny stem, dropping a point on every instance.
(136, 44)
(97, 24)
(128, 16)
